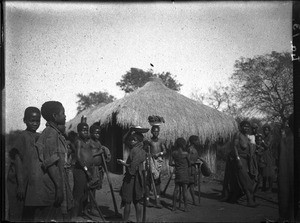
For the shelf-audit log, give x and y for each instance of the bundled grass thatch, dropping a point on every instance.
(183, 116)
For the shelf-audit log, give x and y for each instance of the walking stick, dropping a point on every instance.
(166, 187)
(95, 203)
(110, 186)
(145, 196)
(180, 194)
(199, 181)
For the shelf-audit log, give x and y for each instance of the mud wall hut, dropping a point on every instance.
(183, 117)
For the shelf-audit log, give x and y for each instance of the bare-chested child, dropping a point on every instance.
(82, 170)
(97, 172)
(22, 155)
(157, 150)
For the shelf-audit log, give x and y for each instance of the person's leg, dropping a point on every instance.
(184, 192)
(138, 212)
(126, 212)
(175, 194)
(157, 187)
(148, 188)
(192, 192)
(264, 187)
(15, 207)
(78, 191)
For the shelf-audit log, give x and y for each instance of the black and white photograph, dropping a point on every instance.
(156, 111)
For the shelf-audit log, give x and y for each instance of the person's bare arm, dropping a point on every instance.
(20, 178)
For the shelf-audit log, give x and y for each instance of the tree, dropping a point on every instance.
(93, 99)
(219, 97)
(264, 85)
(136, 78)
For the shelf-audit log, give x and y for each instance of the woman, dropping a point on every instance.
(240, 174)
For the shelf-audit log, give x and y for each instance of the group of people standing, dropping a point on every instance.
(256, 161)
(50, 174)
(144, 165)
(54, 176)
(250, 164)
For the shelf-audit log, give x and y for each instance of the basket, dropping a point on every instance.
(155, 123)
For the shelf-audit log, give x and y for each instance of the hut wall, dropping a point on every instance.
(112, 139)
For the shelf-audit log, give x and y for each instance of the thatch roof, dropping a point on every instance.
(183, 116)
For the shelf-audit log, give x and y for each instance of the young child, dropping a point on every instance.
(157, 149)
(264, 163)
(22, 155)
(71, 138)
(132, 187)
(82, 170)
(193, 157)
(180, 157)
(98, 172)
(55, 194)
(70, 156)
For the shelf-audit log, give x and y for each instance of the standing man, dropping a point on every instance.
(157, 150)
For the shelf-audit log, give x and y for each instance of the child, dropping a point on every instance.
(157, 151)
(98, 172)
(132, 187)
(82, 170)
(71, 138)
(193, 157)
(70, 156)
(55, 194)
(181, 163)
(264, 160)
(22, 155)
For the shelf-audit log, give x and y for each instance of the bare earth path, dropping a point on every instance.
(210, 209)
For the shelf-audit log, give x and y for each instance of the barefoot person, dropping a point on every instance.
(181, 162)
(243, 155)
(132, 187)
(157, 150)
(20, 172)
(194, 157)
(52, 148)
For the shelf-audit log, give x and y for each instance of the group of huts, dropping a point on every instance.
(183, 117)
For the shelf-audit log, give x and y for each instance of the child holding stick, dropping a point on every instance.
(132, 187)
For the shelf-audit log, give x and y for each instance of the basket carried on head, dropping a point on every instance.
(155, 120)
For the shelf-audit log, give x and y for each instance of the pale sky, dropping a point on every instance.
(55, 50)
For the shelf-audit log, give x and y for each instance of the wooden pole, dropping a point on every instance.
(110, 186)
(166, 187)
(95, 203)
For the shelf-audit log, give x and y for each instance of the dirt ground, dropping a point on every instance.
(210, 209)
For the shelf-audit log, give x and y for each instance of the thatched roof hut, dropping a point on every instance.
(183, 116)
